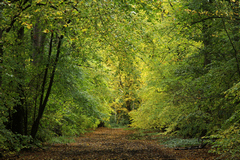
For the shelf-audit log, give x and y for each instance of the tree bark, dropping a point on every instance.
(236, 45)
(38, 42)
(1, 47)
(44, 103)
(38, 39)
(1, 56)
(18, 115)
(206, 34)
(18, 119)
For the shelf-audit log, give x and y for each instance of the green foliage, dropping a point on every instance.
(228, 140)
(191, 87)
(120, 123)
(14, 142)
(179, 142)
(60, 84)
(173, 66)
(61, 140)
(228, 144)
(143, 135)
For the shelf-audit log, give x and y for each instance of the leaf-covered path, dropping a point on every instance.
(106, 143)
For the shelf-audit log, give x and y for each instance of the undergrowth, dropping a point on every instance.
(61, 140)
(174, 142)
(168, 141)
(143, 134)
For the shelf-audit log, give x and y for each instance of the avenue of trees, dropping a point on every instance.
(67, 65)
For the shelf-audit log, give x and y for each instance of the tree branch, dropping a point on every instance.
(46, 69)
(202, 20)
(43, 105)
(14, 18)
(235, 51)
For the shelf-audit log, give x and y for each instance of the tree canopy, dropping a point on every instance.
(68, 65)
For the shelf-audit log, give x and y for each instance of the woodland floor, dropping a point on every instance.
(105, 143)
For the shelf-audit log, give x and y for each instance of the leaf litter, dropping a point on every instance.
(112, 144)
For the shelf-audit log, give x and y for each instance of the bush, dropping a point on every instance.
(62, 140)
(14, 142)
(179, 142)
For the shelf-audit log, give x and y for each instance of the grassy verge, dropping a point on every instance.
(166, 140)
(175, 142)
(61, 140)
(143, 135)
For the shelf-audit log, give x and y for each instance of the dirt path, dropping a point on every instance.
(107, 143)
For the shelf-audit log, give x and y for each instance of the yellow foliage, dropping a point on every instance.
(84, 30)
(29, 26)
(46, 31)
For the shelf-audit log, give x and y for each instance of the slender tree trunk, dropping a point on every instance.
(1, 48)
(38, 38)
(44, 102)
(38, 42)
(1, 60)
(207, 36)
(18, 119)
(1, 56)
(236, 29)
(207, 44)
(26, 120)
(18, 115)
(46, 71)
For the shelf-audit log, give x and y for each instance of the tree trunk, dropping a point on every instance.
(18, 115)
(38, 42)
(206, 33)
(18, 119)
(207, 44)
(38, 39)
(1, 48)
(236, 29)
(44, 103)
(1, 57)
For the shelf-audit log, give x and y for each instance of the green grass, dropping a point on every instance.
(143, 135)
(173, 142)
(115, 125)
(62, 140)
(168, 141)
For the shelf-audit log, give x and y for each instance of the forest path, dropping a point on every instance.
(105, 143)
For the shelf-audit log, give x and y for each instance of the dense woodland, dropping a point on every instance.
(67, 65)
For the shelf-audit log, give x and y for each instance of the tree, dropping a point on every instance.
(37, 31)
(47, 35)
(172, 65)
(198, 69)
